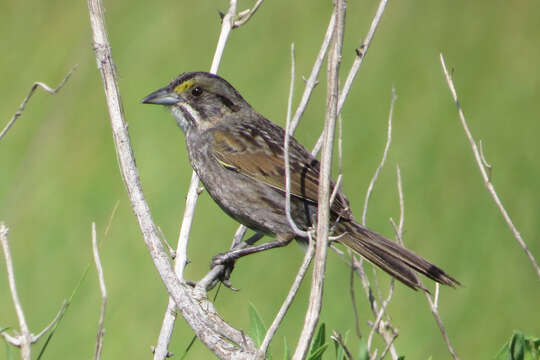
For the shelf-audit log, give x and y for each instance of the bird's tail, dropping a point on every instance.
(391, 257)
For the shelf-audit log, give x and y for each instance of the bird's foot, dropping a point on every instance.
(227, 262)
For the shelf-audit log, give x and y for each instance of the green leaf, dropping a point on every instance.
(401, 357)
(340, 352)
(363, 353)
(520, 347)
(317, 353)
(286, 350)
(257, 330)
(517, 346)
(318, 340)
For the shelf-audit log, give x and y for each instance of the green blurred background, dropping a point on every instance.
(59, 171)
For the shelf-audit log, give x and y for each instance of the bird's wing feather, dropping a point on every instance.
(259, 155)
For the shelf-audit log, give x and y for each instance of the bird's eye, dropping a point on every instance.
(196, 91)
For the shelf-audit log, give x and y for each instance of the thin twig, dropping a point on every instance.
(339, 339)
(484, 172)
(399, 234)
(378, 319)
(53, 322)
(360, 55)
(358, 264)
(383, 160)
(103, 289)
(323, 211)
(434, 306)
(27, 98)
(353, 300)
(289, 299)
(484, 161)
(25, 337)
(292, 224)
(244, 16)
(238, 236)
(311, 82)
(389, 345)
(198, 312)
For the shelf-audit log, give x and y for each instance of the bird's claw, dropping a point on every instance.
(224, 260)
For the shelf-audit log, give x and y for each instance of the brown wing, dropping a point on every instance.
(259, 155)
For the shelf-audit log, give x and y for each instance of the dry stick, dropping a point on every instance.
(218, 336)
(312, 80)
(399, 234)
(323, 216)
(103, 289)
(25, 338)
(289, 299)
(245, 15)
(27, 98)
(360, 55)
(60, 313)
(161, 350)
(292, 224)
(388, 346)
(309, 253)
(484, 172)
(434, 306)
(387, 336)
(401, 206)
(383, 160)
(373, 181)
(337, 338)
(19, 339)
(378, 319)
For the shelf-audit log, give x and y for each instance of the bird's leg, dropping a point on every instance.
(229, 265)
(231, 256)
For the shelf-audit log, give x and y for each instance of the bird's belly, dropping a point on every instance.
(252, 203)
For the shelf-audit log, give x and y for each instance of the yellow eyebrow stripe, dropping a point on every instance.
(183, 86)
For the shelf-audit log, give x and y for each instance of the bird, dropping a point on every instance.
(238, 154)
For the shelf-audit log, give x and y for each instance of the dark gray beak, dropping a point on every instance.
(163, 96)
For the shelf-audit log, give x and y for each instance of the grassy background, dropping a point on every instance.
(59, 172)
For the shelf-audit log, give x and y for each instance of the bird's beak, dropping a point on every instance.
(163, 96)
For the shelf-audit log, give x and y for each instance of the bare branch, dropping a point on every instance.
(389, 346)
(289, 299)
(383, 160)
(434, 306)
(484, 161)
(487, 182)
(323, 210)
(360, 55)
(218, 336)
(103, 289)
(288, 127)
(399, 234)
(312, 80)
(27, 98)
(58, 316)
(25, 337)
(337, 338)
(244, 16)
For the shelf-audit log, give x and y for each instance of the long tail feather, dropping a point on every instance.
(392, 257)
